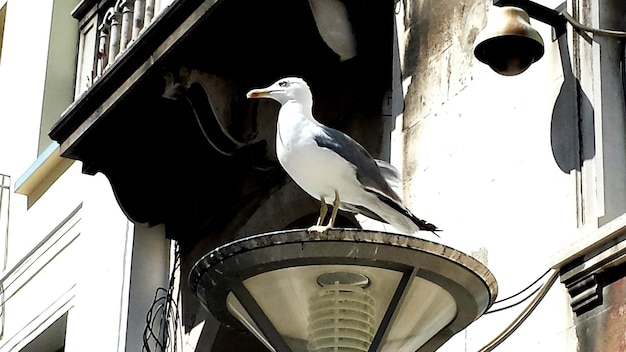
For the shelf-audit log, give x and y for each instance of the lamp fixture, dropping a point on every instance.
(509, 44)
(343, 290)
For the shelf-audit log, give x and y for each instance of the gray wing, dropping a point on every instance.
(369, 173)
(367, 170)
(391, 175)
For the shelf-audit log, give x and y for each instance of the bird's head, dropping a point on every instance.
(284, 90)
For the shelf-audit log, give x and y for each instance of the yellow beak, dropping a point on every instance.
(258, 93)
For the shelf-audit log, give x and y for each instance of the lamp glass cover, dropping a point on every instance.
(286, 295)
(426, 309)
(288, 299)
(238, 311)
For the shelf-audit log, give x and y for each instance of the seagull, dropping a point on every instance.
(327, 164)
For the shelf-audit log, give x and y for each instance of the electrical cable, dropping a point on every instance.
(606, 32)
(164, 314)
(205, 133)
(517, 294)
(151, 317)
(580, 26)
(525, 289)
(514, 304)
(494, 310)
(491, 345)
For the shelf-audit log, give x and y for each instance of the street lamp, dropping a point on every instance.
(343, 290)
(509, 44)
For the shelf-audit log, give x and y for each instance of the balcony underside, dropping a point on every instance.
(169, 125)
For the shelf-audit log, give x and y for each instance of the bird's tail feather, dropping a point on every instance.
(406, 221)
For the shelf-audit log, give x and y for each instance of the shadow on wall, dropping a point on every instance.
(572, 132)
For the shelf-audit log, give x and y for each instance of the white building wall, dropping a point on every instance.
(22, 79)
(71, 252)
(103, 274)
(80, 268)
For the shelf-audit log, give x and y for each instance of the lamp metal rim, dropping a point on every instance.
(282, 237)
(224, 269)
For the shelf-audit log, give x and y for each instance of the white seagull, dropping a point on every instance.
(327, 163)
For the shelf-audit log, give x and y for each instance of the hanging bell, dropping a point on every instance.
(508, 44)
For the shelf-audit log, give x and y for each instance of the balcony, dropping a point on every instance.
(121, 25)
(160, 105)
(107, 29)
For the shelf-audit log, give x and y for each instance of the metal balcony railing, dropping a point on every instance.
(122, 23)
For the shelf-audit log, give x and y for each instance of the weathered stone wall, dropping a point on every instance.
(492, 160)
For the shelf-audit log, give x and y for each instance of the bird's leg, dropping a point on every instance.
(333, 215)
(323, 210)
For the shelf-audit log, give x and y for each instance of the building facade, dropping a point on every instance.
(68, 249)
(129, 151)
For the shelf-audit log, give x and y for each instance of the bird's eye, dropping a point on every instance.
(283, 84)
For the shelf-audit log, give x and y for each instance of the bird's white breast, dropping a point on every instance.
(319, 171)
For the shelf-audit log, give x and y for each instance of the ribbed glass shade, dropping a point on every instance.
(294, 289)
(426, 309)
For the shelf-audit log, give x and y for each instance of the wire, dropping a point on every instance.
(580, 26)
(151, 318)
(525, 289)
(164, 315)
(491, 345)
(514, 304)
(517, 294)
(204, 131)
(605, 32)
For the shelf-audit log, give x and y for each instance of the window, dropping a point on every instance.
(50, 340)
